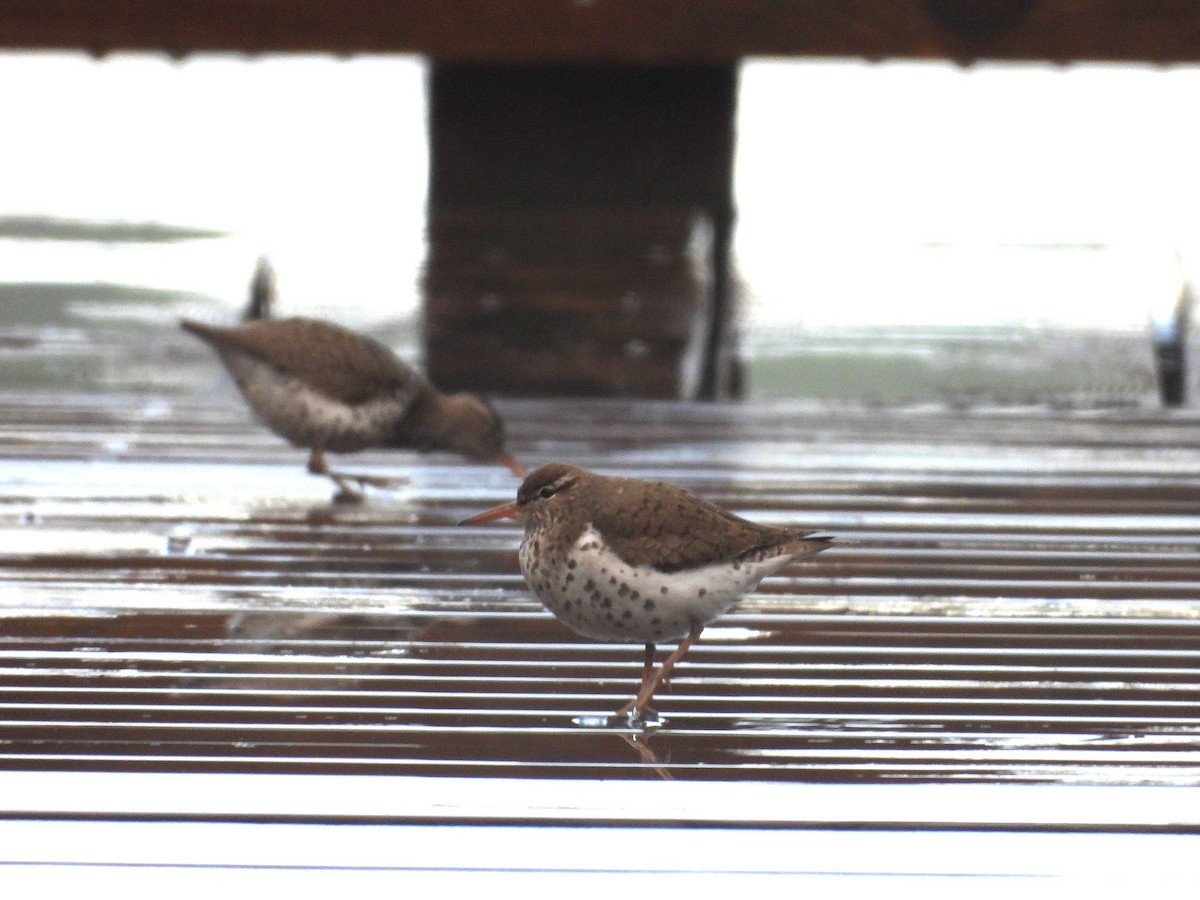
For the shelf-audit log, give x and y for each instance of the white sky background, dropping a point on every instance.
(845, 169)
(846, 173)
(319, 162)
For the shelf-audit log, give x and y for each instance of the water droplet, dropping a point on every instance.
(156, 409)
(179, 541)
(620, 721)
(591, 721)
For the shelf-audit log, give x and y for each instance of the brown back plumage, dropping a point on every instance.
(655, 524)
(334, 361)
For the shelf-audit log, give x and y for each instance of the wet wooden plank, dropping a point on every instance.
(503, 801)
(1012, 599)
(158, 856)
(631, 31)
(990, 677)
(153, 831)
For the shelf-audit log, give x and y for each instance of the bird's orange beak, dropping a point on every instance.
(504, 511)
(511, 464)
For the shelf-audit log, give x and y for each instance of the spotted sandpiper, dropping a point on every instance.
(630, 560)
(326, 388)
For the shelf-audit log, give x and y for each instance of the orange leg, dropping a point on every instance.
(346, 481)
(651, 681)
(316, 462)
(347, 493)
(647, 673)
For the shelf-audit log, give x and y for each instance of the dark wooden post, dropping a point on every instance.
(579, 224)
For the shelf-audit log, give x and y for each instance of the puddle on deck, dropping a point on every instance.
(1014, 596)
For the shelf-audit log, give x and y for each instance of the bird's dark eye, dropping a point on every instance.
(547, 492)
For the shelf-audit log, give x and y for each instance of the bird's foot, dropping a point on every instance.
(376, 481)
(639, 718)
(351, 485)
(347, 496)
(347, 481)
(362, 480)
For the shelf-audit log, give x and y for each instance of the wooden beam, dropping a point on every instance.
(626, 31)
(579, 219)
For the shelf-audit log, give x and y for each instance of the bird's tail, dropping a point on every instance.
(262, 292)
(206, 333)
(808, 545)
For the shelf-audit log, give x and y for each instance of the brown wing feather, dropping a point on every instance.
(671, 529)
(332, 360)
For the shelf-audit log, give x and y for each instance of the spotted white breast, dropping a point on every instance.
(307, 417)
(601, 596)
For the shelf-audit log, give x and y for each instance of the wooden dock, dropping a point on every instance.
(998, 655)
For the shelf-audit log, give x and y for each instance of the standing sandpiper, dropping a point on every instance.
(629, 560)
(324, 387)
